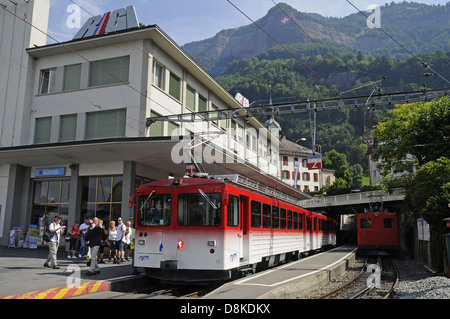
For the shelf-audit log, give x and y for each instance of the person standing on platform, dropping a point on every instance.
(119, 240)
(73, 240)
(82, 253)
(102, 246)
(127, 240)
(112, 234)
(94, 237)
(55, 229)
(133, 270)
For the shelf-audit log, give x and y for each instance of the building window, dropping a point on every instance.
(156, 129)
(285, 175)
(68, 128)
(304, 162)
(215, 108)
(46, 81)
(51, 198)
(233, 132)
(285, 160)
(106, 124)
(240, 133)
(72, 75)
(109, 71)
(254, 143)
(306, 176)
(316, 177)
(158, 75)
(102, 198)
(190, 98)
(42, 130)
(173, 129)
(202, 104)
(174, 86)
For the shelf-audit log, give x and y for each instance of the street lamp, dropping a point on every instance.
(300, 139)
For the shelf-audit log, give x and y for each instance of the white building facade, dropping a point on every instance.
(292, 154)
(74, 139)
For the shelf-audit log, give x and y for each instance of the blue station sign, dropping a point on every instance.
(50, 172)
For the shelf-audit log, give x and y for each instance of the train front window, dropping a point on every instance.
(389, 223)
(154, 210)
(366, 223)
(199, 209)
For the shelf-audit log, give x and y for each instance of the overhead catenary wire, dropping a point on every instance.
(308, 67)
(423, 63)
(98, 106)
(311, 38)
(325, 52)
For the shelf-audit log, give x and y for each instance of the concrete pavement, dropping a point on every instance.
(22, 275)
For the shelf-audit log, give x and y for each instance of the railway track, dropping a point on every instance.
(376, 279)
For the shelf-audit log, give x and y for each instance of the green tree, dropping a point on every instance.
(338, 162)
(357, 176)
(430, 195)
(423, 131)
(418, 129)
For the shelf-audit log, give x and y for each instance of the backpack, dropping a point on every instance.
(47, 236)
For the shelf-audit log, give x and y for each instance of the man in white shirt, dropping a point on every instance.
(55, 229)
(119, 239)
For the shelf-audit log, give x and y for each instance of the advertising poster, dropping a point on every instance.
(32, 236)
(12, 238)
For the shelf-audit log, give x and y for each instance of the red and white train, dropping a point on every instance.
(206, 229)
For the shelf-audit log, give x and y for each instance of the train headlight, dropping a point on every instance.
(212, 243)
(141, 242)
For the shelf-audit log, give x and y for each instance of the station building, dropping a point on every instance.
(296, 172)
(73, 134)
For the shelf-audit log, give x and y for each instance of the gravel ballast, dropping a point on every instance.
(417, 282)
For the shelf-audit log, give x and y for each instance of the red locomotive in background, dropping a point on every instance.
(377, 231)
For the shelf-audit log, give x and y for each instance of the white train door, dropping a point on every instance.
(244, 212)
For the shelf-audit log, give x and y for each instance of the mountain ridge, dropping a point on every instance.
(431, 32)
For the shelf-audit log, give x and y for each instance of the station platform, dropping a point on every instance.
(292, 280)
(23, 276)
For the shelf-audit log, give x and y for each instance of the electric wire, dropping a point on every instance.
(110, 31)
(316, 43)
(96, 105)
(423, 63)
(308, 67)
(311, 38)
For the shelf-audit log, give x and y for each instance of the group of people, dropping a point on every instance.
(93, 237)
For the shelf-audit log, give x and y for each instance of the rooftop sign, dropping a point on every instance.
(121, 19)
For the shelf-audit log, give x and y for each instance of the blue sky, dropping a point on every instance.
(191, 20)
